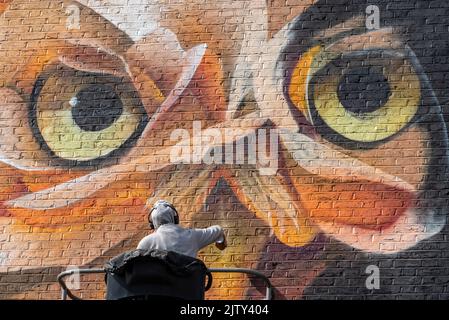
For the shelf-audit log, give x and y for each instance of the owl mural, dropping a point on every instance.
(92, 93)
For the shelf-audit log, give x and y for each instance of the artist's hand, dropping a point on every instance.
(223, 244)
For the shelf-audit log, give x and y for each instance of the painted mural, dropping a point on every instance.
(313, 131)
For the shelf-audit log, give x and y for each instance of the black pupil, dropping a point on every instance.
(96, 107)
(363, 89)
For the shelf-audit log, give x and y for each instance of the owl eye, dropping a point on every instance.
(81, 116)
(362, 96)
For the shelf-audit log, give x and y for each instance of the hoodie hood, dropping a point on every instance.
(162, 214)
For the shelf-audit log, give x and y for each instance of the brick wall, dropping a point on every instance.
(314, 132)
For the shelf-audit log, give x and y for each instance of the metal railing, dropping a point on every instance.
(65, 291)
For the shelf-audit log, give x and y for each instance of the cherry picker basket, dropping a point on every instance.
(156, 274)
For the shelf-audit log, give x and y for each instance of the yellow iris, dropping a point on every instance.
(323, 93)
(66, 135)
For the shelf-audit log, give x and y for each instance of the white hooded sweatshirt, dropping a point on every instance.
(172, 237)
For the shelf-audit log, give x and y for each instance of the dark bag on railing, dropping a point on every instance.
(156, 274)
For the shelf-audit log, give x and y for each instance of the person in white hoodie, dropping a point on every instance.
(171, 236)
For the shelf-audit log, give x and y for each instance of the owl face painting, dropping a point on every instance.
(91, 93)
